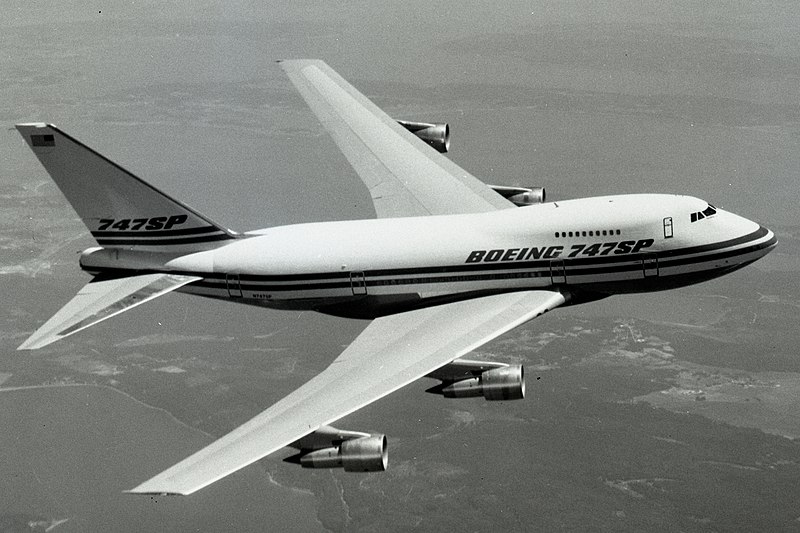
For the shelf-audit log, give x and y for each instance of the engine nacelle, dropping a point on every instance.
(505, 383)
(367, 454)
(521, 196)
(437, 135)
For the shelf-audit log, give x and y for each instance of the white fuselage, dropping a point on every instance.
(586, 248)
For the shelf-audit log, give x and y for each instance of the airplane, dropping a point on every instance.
(449, 264)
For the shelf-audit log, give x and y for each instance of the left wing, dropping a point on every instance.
(404, 175)
(390, 353)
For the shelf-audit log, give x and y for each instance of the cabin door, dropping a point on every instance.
(234, 287)
(358, 283)
(558, 273)
(650, 265)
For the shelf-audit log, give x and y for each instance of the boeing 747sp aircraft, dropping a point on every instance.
(449, 264)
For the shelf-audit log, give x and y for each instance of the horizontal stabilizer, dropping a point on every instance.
(102, 299)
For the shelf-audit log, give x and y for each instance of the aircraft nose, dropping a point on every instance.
(765, 244)
(755, 244)
(748, 240)
(771, 239)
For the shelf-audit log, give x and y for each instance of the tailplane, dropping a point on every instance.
(120, 209)
(101, 299)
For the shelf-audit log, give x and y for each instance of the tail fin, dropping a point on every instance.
(120, 210)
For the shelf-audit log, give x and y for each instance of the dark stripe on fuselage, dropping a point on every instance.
(760, 232)
(167, 241)
(473, 272)
(717, 256)
(509, 265)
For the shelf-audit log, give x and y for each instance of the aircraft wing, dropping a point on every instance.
(404, 175)
(390, 353)
(101, 299)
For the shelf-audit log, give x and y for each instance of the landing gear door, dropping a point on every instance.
(358, 283)
(234, 287)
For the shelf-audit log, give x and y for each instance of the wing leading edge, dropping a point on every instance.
(404, 175)
(390, 353)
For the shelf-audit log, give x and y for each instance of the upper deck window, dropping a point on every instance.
(583, 233)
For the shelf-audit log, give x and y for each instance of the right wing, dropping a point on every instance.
(404, 175)
(390, 353)
(101, 299)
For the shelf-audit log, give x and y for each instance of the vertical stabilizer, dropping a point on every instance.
(120, 210)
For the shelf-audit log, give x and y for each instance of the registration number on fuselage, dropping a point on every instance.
(552, 252)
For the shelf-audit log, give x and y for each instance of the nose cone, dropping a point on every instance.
(761, 245)
(748, 241)
(734, 225)
(771, 241)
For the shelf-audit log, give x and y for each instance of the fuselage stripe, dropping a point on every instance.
(166, 241)
(573, 269)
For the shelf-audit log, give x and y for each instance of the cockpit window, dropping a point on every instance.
(707, 212)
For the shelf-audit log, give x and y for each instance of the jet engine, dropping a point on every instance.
(365, 454)
(463, 378)
(521, 196)
(437, 135)
(504, 383)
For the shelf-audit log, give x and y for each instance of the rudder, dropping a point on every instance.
(119, 209)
